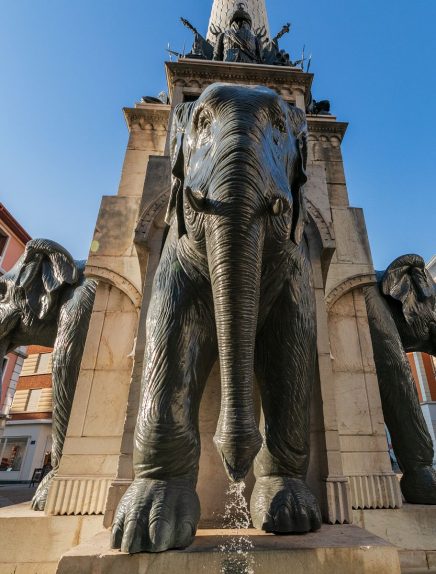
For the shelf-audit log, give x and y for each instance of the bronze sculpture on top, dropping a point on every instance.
(234, 282)
(45, 299)
(240, 43)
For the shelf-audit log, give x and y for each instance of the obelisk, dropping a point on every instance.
(222, 11)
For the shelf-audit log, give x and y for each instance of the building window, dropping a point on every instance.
(33, 401)
(37, 364)
(12, 453)
(3, 242)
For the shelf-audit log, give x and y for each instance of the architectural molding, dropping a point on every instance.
(150, 117)
(339, 507)
(77, 496)
(359, 280)
(375, 491)
(325, 229)
(148, 216)
(200, 73)
(113, 278)
(326, 125)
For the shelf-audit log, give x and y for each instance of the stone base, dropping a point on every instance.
(32, 542)
(333, 550)
(411, 528)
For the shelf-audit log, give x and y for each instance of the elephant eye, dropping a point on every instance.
(204, 122)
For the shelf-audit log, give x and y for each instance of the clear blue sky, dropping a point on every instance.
(67, 68)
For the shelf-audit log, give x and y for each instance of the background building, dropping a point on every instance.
(424, 372)
(26, 441)
(13, 239)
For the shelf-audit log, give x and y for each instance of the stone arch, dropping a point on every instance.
(347, 285)
(113, 278)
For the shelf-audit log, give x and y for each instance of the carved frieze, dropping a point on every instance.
(148, 117)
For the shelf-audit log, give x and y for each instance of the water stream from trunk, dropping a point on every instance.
(237, 548)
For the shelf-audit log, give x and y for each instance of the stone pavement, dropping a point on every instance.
(15, 494)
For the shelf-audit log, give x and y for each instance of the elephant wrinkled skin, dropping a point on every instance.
(46, 300)
(234, 282)
(402, 318)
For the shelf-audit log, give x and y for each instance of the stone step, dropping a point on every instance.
(332, 550)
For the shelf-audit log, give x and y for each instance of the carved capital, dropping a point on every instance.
(150, 117)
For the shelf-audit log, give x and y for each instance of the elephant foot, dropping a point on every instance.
(419, 485)
(284, 505)
(156, 515)
(40, 497)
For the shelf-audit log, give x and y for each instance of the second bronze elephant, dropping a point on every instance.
(402, 318)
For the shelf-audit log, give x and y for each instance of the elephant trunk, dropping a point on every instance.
(234, 254)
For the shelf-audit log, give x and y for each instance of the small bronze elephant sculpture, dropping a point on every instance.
(234, 281)
(402, 318)
(46, 300)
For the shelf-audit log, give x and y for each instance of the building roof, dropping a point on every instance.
(12, 224)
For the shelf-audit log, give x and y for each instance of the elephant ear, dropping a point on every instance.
(298, 123)
(180, 123)
(407, 281)
(46, 267)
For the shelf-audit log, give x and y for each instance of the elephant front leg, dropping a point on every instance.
(285, 367)
(161, 510)
(63, 395)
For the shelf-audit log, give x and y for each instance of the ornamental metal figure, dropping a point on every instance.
(238, 43)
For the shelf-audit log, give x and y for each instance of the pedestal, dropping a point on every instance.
(333, 550)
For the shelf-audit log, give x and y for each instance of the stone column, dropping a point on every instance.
(363, 444)
(93, 443)
(222, 11)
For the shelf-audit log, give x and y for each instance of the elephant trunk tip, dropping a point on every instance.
(237, 462)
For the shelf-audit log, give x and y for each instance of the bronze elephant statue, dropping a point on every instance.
(45, 299)
(234, 282)
(402, 318)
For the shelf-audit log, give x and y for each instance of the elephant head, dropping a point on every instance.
(238, 163)
(29, 293)
(411, 294)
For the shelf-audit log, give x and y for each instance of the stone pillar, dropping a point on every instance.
(360, 423)
(93, 443)
(222, 11)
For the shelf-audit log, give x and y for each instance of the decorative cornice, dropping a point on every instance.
(210, 72)
(149, 116)
(325, 125)
(360, 280)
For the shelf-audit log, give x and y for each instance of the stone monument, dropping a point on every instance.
(349, 471)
